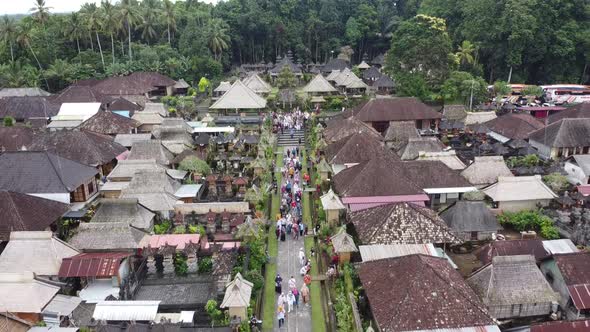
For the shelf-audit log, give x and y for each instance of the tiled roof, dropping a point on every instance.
(470, 216)
(514, 125)
(396, 109)
(353, 149)
(564, 133)
(428, 295)
(108, 123)
(511, 248)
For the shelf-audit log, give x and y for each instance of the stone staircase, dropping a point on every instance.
(286, 140)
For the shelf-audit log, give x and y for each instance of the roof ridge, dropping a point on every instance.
(13, 204)
(57, 172)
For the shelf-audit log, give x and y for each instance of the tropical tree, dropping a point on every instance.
(93, 20)
(111, 23)
(217, 37)
(286, 79)
(195, 166)
(148, 26)
(129, 15)
(15, 75)
(465, 53)
(501, 88)
(169, 18)
(75, 29)
(8, 33)
(24, 38)
(40, 12)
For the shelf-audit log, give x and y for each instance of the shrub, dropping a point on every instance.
(180, 265)
(255, 278)
(556, 181)
(205, 265)
(196, 229)
(180, 229)
(217, 316)
(163, 227)
(530, 220)
(8, 121)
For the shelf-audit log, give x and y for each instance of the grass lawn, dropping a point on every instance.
(268, 310)
(318, 318)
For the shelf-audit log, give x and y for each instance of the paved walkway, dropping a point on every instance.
(298, 320)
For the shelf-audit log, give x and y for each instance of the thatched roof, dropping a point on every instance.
(565, 133)
(319, 85)
(472, 118)
(108, 236)
(399, 133)
(363, 65)
(239, 96)
(415, 146)
(152, 149)
(237, 293)
(384, 82)
(372, 74)
(486, 170)
(470, 216)
(335, 64)
(342, 242)
(223, 86)
(257, 84)
(124, 210)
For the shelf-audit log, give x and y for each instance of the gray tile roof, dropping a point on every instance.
(108, 236)
(124, 210)
(470, 216)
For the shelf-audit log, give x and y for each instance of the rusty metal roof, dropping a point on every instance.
(95, 265)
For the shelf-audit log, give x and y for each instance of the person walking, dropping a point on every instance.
(301, 256)
(278, 286)
(296, 295)
(281, 300)
(290, 301)
(292, 283)
(281, 316)
(305, 294)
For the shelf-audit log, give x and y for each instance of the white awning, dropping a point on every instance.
(126, 310)
(449, 190)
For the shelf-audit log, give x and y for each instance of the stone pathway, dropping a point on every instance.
(299, 319)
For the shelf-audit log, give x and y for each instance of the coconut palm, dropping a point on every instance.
(8, 33)
(40, 12)
(218, 39)
(129, 16)
(170, 18)
(148, 26)
(111, 23)
(465, 53)
(93, 20)
(24, 38)
(75, 29)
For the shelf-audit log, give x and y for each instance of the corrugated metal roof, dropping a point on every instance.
(580, 295)
(378, 251)
(488, 328)
(63, 305)
(97, 265)
(563, 326)
(562, 246)
(126, 310)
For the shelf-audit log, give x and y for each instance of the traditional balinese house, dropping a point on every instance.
(429, 296)
(285, 62)
(376, 182)
(352, 150)
(448, 158)
(86, 147)
(473, 118)
(341, 128)
(237, 297)
(333, 206)
(381, 111)
(33, 110)
(222, 88)
(154, 190)
(354, 86)
(126, 169)
(513, 287)
(400, 223)
(343, 245)
(486, 170)
(513, 194)
(124, 210)
(399, 133)
(579, 111)
(152, 149)
(24, 296)
(569, 275)
(80, 94)
(147, 121)
(181, 87)
(49, 176)
(371, 75)
(108, 236)
(562, 139)
(239, 97)
(512, 126)
(533, 247)
(109, 123)
(335, 64)
(71, 115)
(324, 169)
(384, 85)
(577, 168)
(319, 86)
(16, 138)
(21, 212)
(37, 252)
(442, 184)
(127, 140)
(415, 146)
(23, 92)
(258, 85)
(471, 220)
(137, 87)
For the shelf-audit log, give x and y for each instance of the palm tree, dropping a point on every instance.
(24, 38)
(93, 23)
(74, 29)
(129, 16)
(169, 17)
(111, 23)
(148, 26)
(218, 40)
(40, 12)
(8, 33)
(465, 53)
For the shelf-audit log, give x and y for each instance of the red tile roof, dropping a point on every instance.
(511, 248)
(92, 265)
(396, 109)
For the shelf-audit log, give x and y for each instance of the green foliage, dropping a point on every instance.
(255, 278)
(203, 84)
(163, 227)
(556, 181)
(8, 121)
(334, 104)
(532, 90)
(530, 220)
(412, 85)
(421, 46)
(217, 316)
(180, 264)
(524, 161)
(460, 87)
(501, 88)
(342, 306)
(180, 229)
(196, 229)
(476, 195)
(195, 166)
(286, 79)
(205, 265)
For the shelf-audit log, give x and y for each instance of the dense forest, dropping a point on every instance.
(428, 42)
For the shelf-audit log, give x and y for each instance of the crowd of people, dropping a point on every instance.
(287, 303)
(290, 121)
